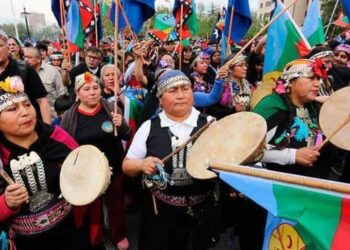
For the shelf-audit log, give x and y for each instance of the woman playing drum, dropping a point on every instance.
(292, 120)
(91, 120)
(32, 211)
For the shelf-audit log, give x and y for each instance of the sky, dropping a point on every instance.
(44, 6)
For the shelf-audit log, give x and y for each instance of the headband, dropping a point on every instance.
(14, 92)
(86, 77)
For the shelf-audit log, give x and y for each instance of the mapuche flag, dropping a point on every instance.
(299, 217)
(313, 25)
(285, 42)
(187, 18)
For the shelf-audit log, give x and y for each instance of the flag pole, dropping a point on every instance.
(14, 22)
(65, 50)
(181, 26)
(228, 48)
(226, 65)
(331, 18)
(95, 18)
(123, 55)
(281, 177)
(134, 37)
(116, 51)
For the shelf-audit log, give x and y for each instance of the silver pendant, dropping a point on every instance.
(39, 200)
(180, 177)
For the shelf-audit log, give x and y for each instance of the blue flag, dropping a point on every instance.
(136, 11)
(56, 10)
(241, 20)
(216, 33)
(346, 7)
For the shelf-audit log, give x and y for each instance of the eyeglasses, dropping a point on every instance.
(30, 57)
(93, 57)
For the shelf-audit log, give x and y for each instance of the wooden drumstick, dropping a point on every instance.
(335, 131)
(6, 177)
(192, 138)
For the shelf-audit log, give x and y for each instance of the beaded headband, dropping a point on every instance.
(298, 68)
(237, 60)
(322, 54)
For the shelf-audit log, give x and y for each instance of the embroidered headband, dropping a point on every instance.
(237, 60)
(170, 79)
(13, 92)
(86, 77)
(297, 68)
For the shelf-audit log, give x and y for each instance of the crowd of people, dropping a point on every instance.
(51, 103)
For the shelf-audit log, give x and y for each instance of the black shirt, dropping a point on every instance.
(341, 77)
(33, 85)
(97, 129)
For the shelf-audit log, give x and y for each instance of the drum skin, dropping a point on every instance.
(334, 112)
(85, 175)
(237, 138)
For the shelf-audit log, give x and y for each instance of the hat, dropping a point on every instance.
(86, 77)
(298, 68)
(12, 92)
(171, 79)
(3, 36)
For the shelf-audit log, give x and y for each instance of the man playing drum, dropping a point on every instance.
(178, 212)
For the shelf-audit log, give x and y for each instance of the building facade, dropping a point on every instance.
(298, 11)
(36, 21)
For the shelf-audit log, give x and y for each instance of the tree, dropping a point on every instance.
(257, 24)
(9, 29)
(327, 7)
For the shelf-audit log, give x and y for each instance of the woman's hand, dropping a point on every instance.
(117, 119)
(66, 65)
(321, 99)
(222, 73)
(15, 195)
(148, 165)
(239, 106)
(306, 156)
